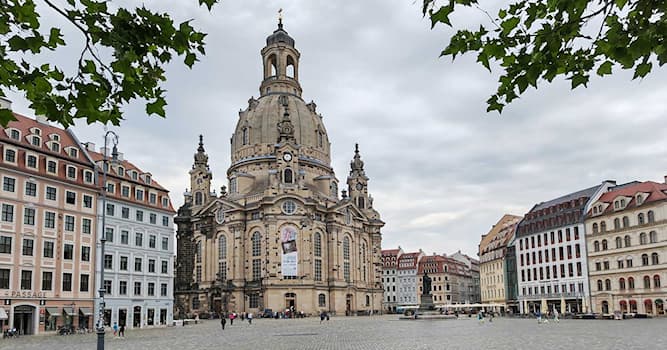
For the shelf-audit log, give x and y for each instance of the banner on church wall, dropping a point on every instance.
(290, 256)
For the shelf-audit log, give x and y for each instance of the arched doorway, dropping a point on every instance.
(136, 319)
(624, 306)
(348, 304)
(605, 307)
(648, 306)
(633, 306)
(24, 319)
(290, 301)
(659, 307)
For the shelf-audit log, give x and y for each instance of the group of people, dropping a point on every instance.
(232, 316)
(481, 317)
(545, 319)
(119, 331)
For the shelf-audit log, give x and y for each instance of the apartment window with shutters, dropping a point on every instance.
(7, 213)
(28, 246)
(67, 282)
(29, 216)
(87, 201)
(138, 239)
(124, 237)
(137, 264)
(48, 249)
(123, 263)
(69, 223)
(47, 280)
(83, 283)
(151, 266)
(125, 191)
(165, 221)
(31, 189)
(140, 215)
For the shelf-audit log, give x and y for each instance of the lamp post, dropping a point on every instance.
(103, 239)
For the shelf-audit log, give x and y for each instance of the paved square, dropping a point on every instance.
(378, 332)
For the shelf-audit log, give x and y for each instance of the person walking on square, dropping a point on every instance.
(115, 329)
(121, 331)
(223, 322)
(321, 317)
(249, 317)
(556, 316)
(231, 318)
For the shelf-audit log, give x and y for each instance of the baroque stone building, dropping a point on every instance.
(280, 238)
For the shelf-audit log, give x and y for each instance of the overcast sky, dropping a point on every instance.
(441, 169)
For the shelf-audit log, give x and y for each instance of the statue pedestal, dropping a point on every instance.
(426, 302)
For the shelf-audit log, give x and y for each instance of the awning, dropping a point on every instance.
(69, 311)
(86, 311)
(53, 311)
(3, 314)
(658, 301)
(648, 301)
(633, 302)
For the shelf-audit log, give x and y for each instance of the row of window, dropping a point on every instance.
(138, 215)
(138, 194)
(557, 289)
(47, 280)
(641, 220)
(537, 256)
(47, 250)
(35, 139)
(652, 237)
(122, 288)
(623, 263)
(50, 193)
(546, 272)
(30, 214)
(109, 235)
(630, 283)
(543, 238)
(138, 264)
(51, 166)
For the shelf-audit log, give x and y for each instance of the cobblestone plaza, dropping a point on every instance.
(379, 332)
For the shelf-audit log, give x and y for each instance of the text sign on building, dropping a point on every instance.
(290, 256)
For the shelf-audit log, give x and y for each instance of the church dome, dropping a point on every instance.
(279, 36)
(257, 132)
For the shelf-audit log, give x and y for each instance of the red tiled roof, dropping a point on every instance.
(390, 251)
(24, 124)
(431, 262)
(412, 257)
(655, 190)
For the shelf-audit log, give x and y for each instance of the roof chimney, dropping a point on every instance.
(5, 103)
(90, 146)
(666, 179)
(42, 119)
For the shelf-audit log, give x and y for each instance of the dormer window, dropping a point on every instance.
(74, 153)
(55, 147)
(147, 178)
(165, 202)
(622, 203)
(135, 175)
(88, 176)
(54, 137)
(595, 210)
(139, 195)
(121, 171)
(36, 140)
(71, 172)
(640, 199)
(15, 134)
(36, 131)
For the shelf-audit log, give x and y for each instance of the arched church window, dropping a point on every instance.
(288, 176)
(245, 135)
(273, 65)
(361, 202)
(222, 258)
(320, 139)
(291, 70)
(232, 185)
(334, 189)
(317, 244)
(346, 259)
(198, 198)
(256, 244)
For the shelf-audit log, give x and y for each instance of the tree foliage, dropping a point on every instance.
(123, 58)
(539, 40)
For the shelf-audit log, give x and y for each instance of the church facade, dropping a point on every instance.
(279, 237)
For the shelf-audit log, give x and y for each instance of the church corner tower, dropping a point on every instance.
(280, 237)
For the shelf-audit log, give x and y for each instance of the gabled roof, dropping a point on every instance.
(432, 264)
(413, 258)
(500, 234)
(127, 165)
(66, 138)
(656, 192)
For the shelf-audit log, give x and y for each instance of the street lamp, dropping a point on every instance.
(103, 238)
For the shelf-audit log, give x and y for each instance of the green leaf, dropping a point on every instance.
(510, 24)
(605, 68)
(579, 79)
(156, 107)
(642, 69)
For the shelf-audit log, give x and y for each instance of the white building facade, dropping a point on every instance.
(552, 269)
(407, 291)
(139, 251)
(389, 278)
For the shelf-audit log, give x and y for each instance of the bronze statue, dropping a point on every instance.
(426, 285)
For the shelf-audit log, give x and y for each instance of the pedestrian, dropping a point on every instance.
(242, 316)
(556, 316)
(223, 321)
(115, 329)
(231, 318)
(121, 331)
(249, 318)
(321, 317)
(327, 315)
